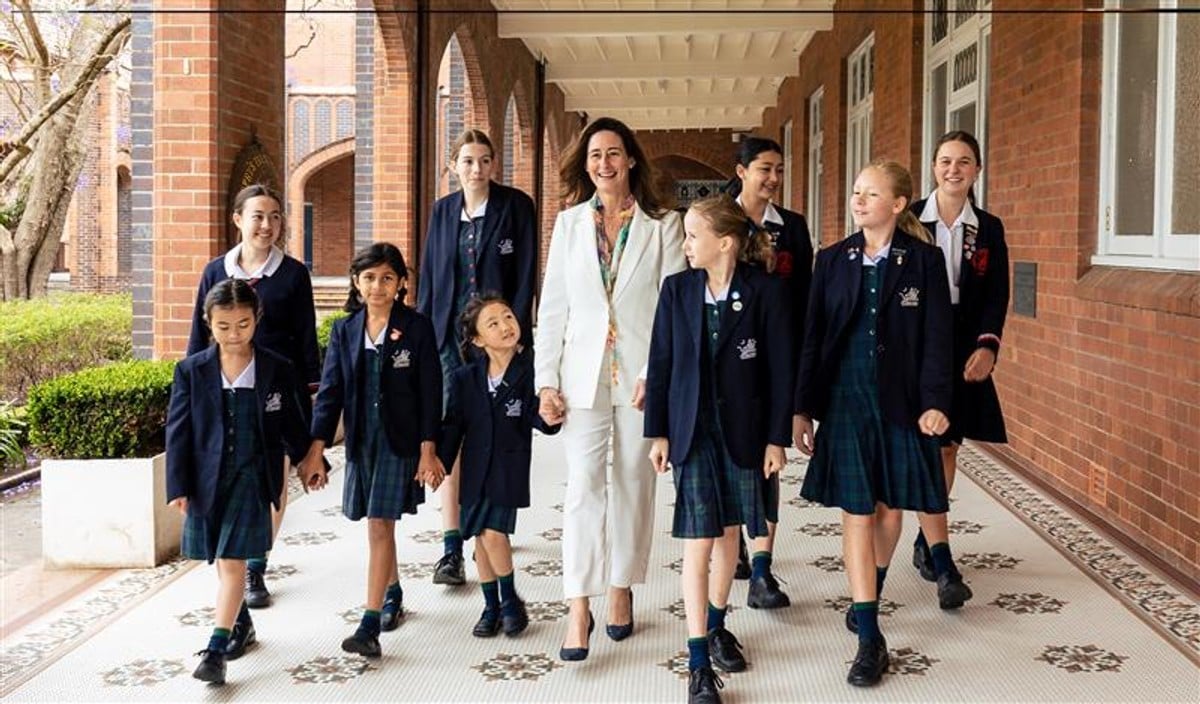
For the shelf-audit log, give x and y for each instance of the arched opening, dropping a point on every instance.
(512, 139)
(454, 106)
(688, 178)
(329, 217)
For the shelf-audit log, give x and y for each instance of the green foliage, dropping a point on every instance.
(10, 214)
(13, 430)
(118, 410)
(47, 337)
(325, 329)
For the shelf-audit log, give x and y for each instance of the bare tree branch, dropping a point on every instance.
(312, 29)
(42, 69)
(108, 47)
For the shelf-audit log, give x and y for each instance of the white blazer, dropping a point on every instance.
(572, 326)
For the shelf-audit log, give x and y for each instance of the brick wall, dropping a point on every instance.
(329, 192)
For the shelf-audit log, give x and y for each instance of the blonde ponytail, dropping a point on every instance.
(727, 219)
(902, 187)
(910, 224)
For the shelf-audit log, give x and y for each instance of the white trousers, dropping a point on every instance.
(608, 514)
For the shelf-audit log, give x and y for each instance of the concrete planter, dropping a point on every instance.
(107, 513)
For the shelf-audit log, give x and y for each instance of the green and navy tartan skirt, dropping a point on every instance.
(861, 458)
(485, 515)
(238, 526)
(379, 483)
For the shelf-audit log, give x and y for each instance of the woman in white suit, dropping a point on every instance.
(608, 255)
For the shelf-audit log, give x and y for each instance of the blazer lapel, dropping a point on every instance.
(898, 258)
(693, 307)
(353, 342)
(210, 375)
(741, 295)
(641, 231)
(491, 221)
(586, 256)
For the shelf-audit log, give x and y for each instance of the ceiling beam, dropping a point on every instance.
(567, 72)
(590, 103)
(556, 25)
(689, 122)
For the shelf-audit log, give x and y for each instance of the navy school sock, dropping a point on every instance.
(257, 565)
(491, 595)
(760, 564)
(716, 617)
(219, 640)
(698, 653)
(508, 588)
(942, 561)
(920, 542)
(452, 542)
(866, 613)
(370, 623)
(880, 576)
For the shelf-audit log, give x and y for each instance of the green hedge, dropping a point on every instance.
(118, 410)
(48, 337)
(325, 329)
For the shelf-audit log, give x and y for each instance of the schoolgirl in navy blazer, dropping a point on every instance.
(196, 428)
(410, 404)
(494, 432)
(504, 263)
(914, 328)
(755, 365)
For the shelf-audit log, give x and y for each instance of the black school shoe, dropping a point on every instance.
(362, 643)
(703, 685)
(488, 624)
(241, 636)
(923, 561)
(851, 620)
(742, 571)
(391, 614)
(952, 592)
(211, 668)
(256, 594)
(513, 617)
(449, 570)
(765, 594)
(725, 650)
(869, 664)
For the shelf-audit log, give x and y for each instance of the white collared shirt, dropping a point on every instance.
(769, 215)
(494, 383)
(882, 254)
(950, 238)
(245, 380)
(464, 216)
(714, 300)
(375, 344)
(234, 270)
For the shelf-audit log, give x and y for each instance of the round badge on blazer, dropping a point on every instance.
(737, 305)
(736, 295)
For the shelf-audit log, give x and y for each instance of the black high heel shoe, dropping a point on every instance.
(624, 631)
(577, 654)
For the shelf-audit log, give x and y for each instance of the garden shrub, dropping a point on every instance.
(117, 410)
(325, 329)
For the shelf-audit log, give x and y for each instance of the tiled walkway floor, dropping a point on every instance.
(1042, 626)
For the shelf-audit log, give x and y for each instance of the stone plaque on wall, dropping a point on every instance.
(253, 165)
(1025, 289)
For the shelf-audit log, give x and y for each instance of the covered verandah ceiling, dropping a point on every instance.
(668, 64)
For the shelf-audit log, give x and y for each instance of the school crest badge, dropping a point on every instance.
(748, 348)
(402, 360)
(274, 403)
(512, 409)
(910, 297)
(505, 246)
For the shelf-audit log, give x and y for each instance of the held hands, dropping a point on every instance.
(639, 395)
(312, 472)
(179, 502)
(430, 470)
(774, 461)
(933, 422)
(979, 365)
(802, 433)
(551, 406)
(659, 451)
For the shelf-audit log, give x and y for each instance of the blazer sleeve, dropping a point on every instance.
(672, 257)
(431, 382)
(802, 275)
(525, 249)
(453, 428)
(553, 309)
(534, 419)
(937, 358)
(296, 435)
(781, 360)
(658, 367)
(180, 473)
(331, 396)
(814, 337)
(425, 277)
(995, 294)
(198, 338)
(306, 329)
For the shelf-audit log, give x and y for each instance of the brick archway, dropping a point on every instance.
(298, 181)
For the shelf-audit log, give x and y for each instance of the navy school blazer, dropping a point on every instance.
(196, 425)
(504, 258)
(983, 286)
(410, 384)
(794, 264)
(913, 328)
(755, 364)
(494, 433)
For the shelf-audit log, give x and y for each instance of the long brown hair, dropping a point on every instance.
(727, 219)
(471, 136)
(973, 144)
(902, 187)
(577, 187)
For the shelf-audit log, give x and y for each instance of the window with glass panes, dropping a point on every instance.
(860, 102)
(1150, 147)
(958, 35)
(816, 167)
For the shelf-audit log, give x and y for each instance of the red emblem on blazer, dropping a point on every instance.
(783, 263)
(980, 261)
(395, 335)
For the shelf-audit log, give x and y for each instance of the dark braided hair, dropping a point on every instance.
(468, 322)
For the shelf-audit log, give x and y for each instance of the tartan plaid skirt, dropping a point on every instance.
(485, 515)
(379, 484)
(712, 492)
(861, 458)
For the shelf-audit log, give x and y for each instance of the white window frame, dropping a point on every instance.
(860, 111)
(816, 163)
(977, 29)
(787, 165)
(1160, 250)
